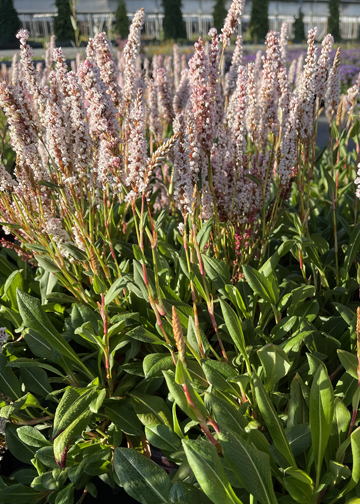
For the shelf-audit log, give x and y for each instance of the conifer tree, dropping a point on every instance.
(259, 20)
(62, 24)
(334, 19)
(122, 22)
(219, 14)
(9, 21)
(299, 28)
(173, 22)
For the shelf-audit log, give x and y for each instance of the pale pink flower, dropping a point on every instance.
(182, 93)
(183, 189)
(332, 96)
(323, 67)
(238, 126)
(201, 104)
(307, 88)
(177, 65)
(288, 143)
(235, 63)
(137, 149)
(131, 53)
(284, 40)
(155, 125)
(103, 57)
(30, 76)
(165, 98)
(233, 19)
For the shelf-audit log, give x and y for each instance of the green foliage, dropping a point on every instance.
(334, 19)
(244, 376)
(173, 22)
(219, 14)
(122, 22)
(299, 28)
(9, 21)
(259, 22)
(62, 22)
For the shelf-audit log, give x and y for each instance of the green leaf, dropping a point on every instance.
(18, 493)
(66, 495)
(299, 485)
(63, 439)
(39, 346)
(261, 285)
(9, 384)
(34, 318)
(162, 437)
(124, 418)
(352, 248)
(151, 409)
(71, 417)
(69, 397)
(36, 380)
(115, 289)
(46, 457)
(272, 421)
(18, 448)
(250, 465)
(71, 406)
(204, 234)
(234, 327)
(299, 438)
(141, 478)
(142, 334)
(217, 271)
(31, 436)
(186, 493)
(276, 363)
(226, 414)
(178, 394)
(349, 361)
(98, 285)
(13, 282)
(269, 266)
(217, 373)
(47, 264)
(205, 463)
(355, 474)
(321, 416)
(154, 364)
(75, 252)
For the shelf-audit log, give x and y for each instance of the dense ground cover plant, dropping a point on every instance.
(187, 277)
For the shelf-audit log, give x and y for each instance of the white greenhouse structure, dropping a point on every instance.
(98, 15)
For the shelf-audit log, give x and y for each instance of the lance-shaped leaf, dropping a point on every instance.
(71, 417)
(261, 285)
(321, 415)
(299, 485)
(141, 478)
(35, 318)
(206, 465)
(355, 474)
(31, 436)
(19, 493)
(349, 361)
(234, 327)
(276, 363)
(272, 421)
(250, 465)
(124, 418)
(353, 248)
(9, 384)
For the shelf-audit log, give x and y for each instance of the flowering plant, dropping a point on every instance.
(196, 275)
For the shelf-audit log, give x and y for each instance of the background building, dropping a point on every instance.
(98, 15)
